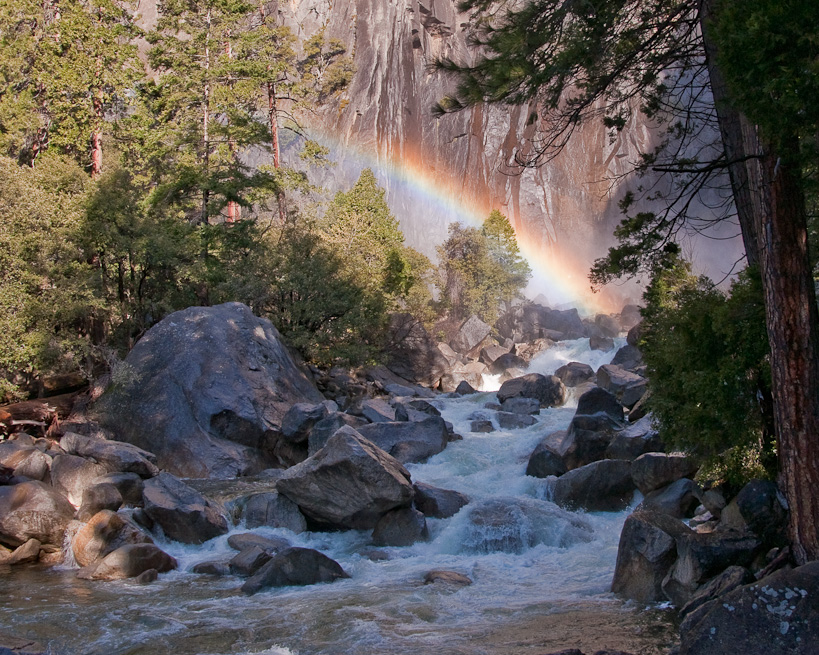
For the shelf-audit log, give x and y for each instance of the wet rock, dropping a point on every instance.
(33, 510)
(400, 527)
(509, 421)
(72, 475)
(211, 568)
(678, 499)
(327, 427)
(350, 483)
(521, 405)
(248, 561)
(447, 577)
(647, 550)
(129, 562)
(409, 442)
(245, 540)
(587, 439)
(12, 645)
(103, 534)
(464, 388)
(273, 510)
(549, 391)
(774, 615)
(481, 425)
(654, 470)
(604, 486)
(181, 511)
(438, 503)
(512, 525)
(574, 373)
(294, 566)
(116, 456)
(129, 485)
(545, 461)
(507, 362)
(601, 343)
(471, 372)
(598, 400)
(207, 384)
(28, 553)
(147, 577)
(98, 497)
(626, 386)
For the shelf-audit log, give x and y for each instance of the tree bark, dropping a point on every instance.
(793, 332)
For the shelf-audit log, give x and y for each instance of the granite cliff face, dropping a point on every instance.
(437, 169)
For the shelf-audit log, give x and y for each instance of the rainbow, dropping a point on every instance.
(562, 280)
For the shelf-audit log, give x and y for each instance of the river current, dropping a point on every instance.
(530, 594)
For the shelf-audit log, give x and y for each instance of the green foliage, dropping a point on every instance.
(481, 269)
(709, 375)
(63, 67)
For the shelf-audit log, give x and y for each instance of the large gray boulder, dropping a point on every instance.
(654, 470)
(776, 615)
(626, 386)
(603, 486)
(408, 442)
(549, 391)
(271, 509)
(33, 510)
(206, 384)
(574, 373)
(25, 460)
(647, 550)
(72, 475)
(327, 427)
(587, 439)
(294, 566)
(438, 503)
(182, 512)
(350, 483)
(400, 527)
(116, 456)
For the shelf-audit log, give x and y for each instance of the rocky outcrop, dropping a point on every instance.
(206, 384)
(350, 483)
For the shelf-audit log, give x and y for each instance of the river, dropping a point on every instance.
(531, 592)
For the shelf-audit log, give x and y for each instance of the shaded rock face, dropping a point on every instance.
(207, 384)
(604, 486)
(181, 511)
(103, 534)
(408, 441)
(350, 483)
(549, 391)
(413, 353)
(774, 615)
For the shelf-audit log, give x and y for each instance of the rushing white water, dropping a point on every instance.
(543, 565)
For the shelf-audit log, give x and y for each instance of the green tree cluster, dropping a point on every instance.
(481, 270)
(708, 364)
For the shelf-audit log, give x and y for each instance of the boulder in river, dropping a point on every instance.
(654, 470)
(294, 566)
(182, 512)
(350, 483)
(72, 475)
(438, 503)
(116, 456)
(549, 391)
(206, 385)
(102, 535)
(413, 441)
(574, 374)
(604, 486)
(400, 527)
(33, 510)
(271, 509)
(129, 561)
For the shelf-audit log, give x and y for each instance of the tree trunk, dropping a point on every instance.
(793, 332)
(204, 218)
